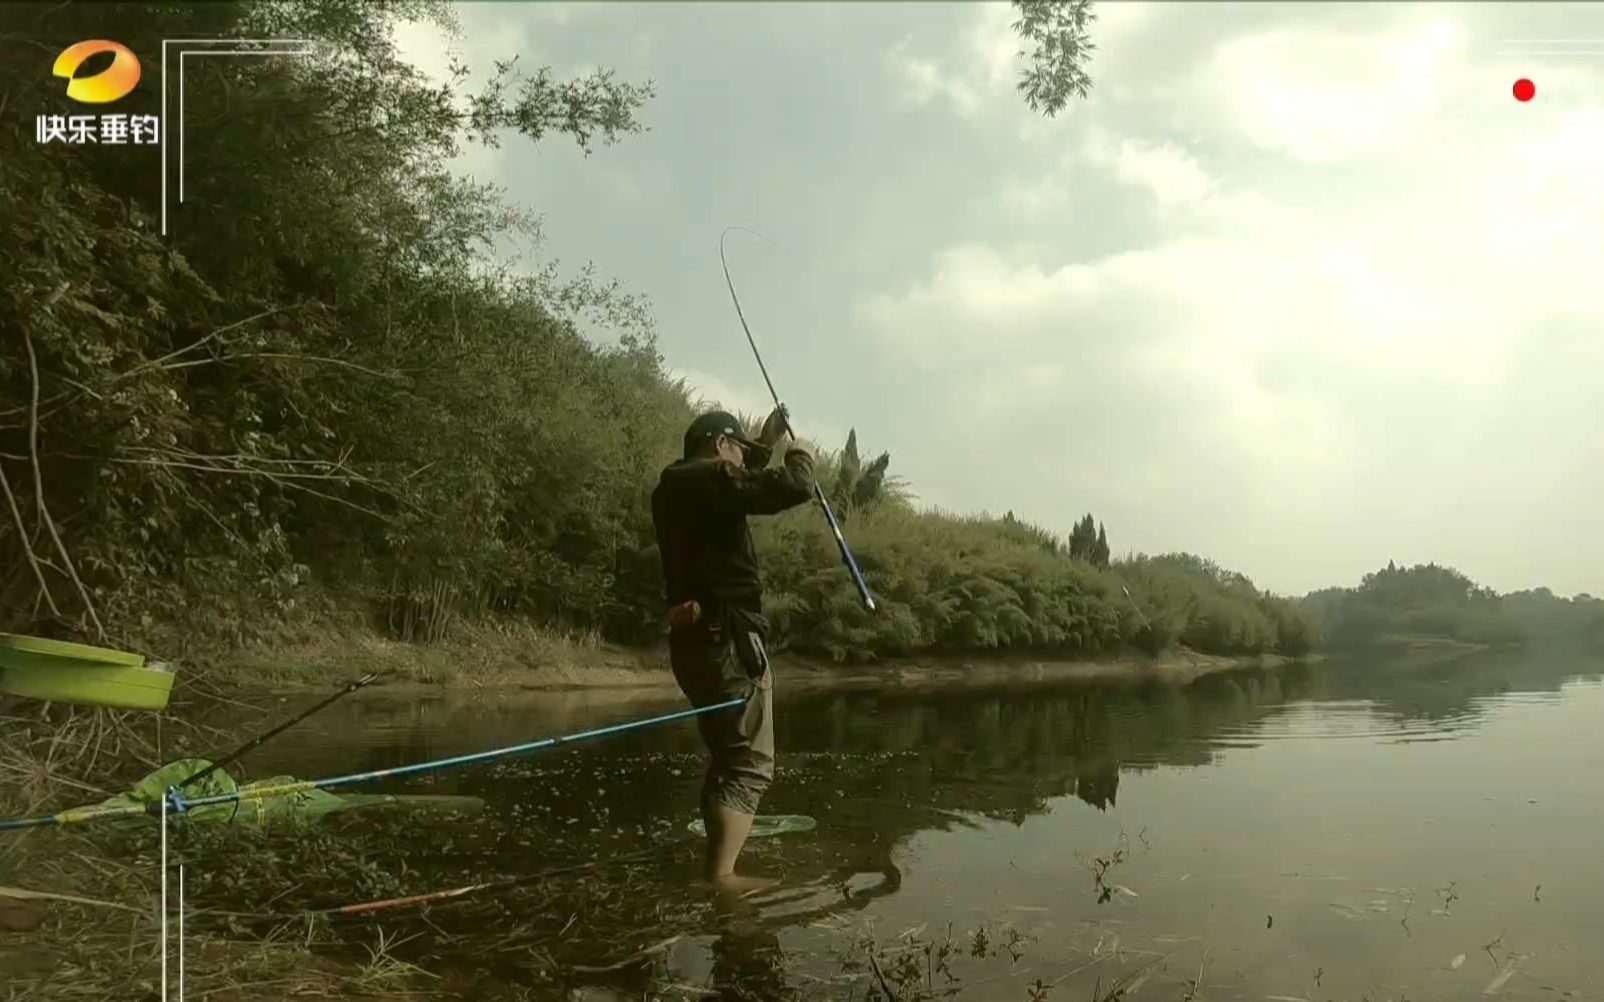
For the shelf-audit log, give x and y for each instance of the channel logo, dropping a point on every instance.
(114, 82)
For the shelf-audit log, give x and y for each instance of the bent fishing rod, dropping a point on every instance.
(785, 417)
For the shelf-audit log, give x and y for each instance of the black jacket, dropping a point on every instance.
(699, 511)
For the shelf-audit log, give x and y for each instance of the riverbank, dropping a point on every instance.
(523, 657)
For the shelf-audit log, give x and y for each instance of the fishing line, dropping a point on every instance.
(818, 492)
(175, 802)
(741, 315)
(1136, 607)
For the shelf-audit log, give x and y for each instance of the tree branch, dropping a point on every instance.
(284, 480)
(158, 363)
(22, 540)
(284, 357)
(39, 492)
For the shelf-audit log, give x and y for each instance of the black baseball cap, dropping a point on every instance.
(710, 426)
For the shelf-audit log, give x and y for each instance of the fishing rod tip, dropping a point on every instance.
(746, 229)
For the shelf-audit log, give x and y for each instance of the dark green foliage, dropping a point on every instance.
(1548, 619)
(856, 485)
(1083, 538)
(315, 375)
(1058, 32)
(1088, 541)
(970, 585)
(1397, 604)
(1100, 554)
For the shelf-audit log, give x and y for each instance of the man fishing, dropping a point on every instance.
(716, 639)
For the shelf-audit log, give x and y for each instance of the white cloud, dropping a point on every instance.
(1307, 377)
(1033, 198)
(709, 391)
(1330, 94)
(985, 67)
(924, 80)
(1320, 95)
(427, 47)
(1166, 171)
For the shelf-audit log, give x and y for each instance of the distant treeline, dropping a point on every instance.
(319, 395)
(1400, 604)
(953, 584)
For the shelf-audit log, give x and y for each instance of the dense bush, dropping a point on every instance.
(315, 377)
(973, 584)
(1550, 619)
(1402, 603)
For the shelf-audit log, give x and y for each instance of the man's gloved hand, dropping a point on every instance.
(774, 426)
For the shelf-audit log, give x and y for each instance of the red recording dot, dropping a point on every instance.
(1525, 90)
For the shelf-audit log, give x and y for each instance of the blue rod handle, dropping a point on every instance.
(829, 516)
(846, 553)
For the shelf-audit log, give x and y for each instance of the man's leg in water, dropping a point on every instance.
(740, 744)
(727, 831)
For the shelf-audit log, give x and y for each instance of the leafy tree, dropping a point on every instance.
(316, 375)
(1058, 33)
(857, 485)
(1035, 535)
(1397, 604)
(1083, 538)
(1100, 554)
(1550, 620)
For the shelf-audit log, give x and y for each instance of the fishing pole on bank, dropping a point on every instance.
(174, 803)
(265, 736)
(818, 492)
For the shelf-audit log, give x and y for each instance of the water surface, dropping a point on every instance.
(1326, 832)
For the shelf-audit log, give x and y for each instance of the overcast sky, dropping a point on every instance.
(1301, 288)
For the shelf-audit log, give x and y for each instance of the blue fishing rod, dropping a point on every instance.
(175, 803)
(818, 492)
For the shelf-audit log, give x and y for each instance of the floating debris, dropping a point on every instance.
(1347, 911)
(1140, 980)
(1505, 972)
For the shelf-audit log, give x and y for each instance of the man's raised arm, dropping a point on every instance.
(772, 490)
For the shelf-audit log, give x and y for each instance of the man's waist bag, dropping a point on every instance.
(742, 629)
(746, 632)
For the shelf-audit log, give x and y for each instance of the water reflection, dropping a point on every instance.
(993, 793)
(748, 962)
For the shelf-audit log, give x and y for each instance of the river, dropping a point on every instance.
(1331, 831)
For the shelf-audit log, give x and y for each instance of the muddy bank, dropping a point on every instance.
(1175, 668)
(490, 660)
